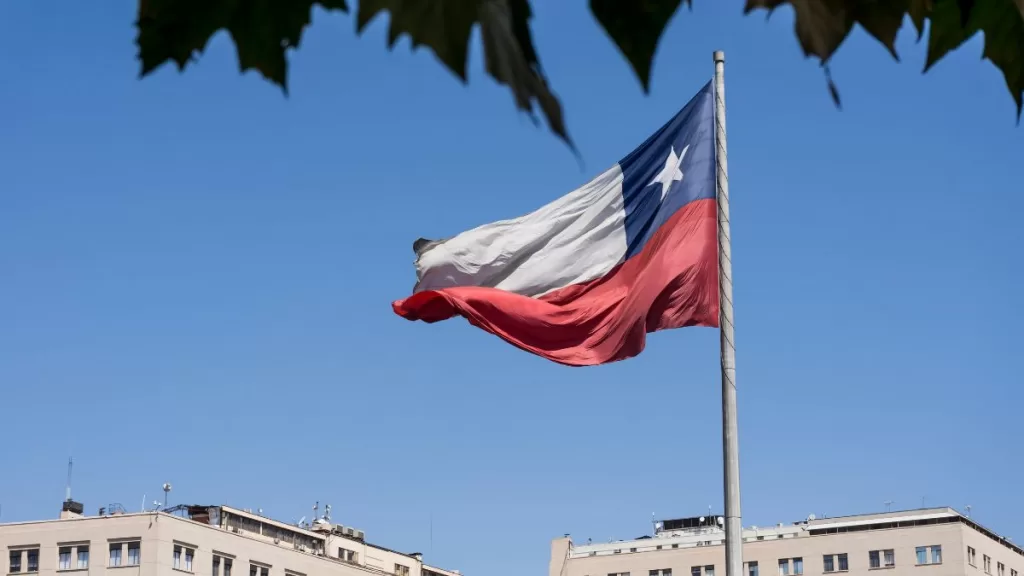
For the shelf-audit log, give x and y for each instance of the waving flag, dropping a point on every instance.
(582, 280)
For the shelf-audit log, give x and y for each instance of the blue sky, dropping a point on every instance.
(197, 275)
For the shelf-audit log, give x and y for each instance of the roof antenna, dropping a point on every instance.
(67, 488)
(888, 505)
(968, 510)
(167, 490)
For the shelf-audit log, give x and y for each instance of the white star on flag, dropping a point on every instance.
(671, 172)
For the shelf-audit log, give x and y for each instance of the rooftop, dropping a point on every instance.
(707, 530)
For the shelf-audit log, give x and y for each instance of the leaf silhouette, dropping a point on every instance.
(177, 30)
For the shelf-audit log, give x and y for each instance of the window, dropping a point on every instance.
(15, 561)
(936, 554)
(179, 552)
(401, 570)
(874, 560)
(798, 566)
(674, 546)
(662, 572)
(632, 549)
(830, 565)
(971, 557)
(694, 570)
(784, 567)
(115, 555)
(64, 558)
(134, 557)
(987, 563)
(83, 557)
(215, 571)
(752, 568)
(33, 560)
(346, 555)
(922, 555)
(709, 570)
(1012, 572)
(890, 558)
(1001, 569)
(227, 567)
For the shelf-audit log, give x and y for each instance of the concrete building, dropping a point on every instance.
(929, 542)
(199, 540)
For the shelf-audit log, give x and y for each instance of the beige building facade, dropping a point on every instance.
(929, 542)
(196, 540)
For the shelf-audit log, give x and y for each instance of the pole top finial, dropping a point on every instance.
(719, 56)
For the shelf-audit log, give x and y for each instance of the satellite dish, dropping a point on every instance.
(721, 520)
(812, 517)
(702, 519)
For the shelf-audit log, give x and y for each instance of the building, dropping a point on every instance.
(928, 542)
(200, 540)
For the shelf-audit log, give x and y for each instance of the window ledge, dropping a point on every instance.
(73, 570)
(183, 571)
(930, 564)
(123, 566)
(883, 567)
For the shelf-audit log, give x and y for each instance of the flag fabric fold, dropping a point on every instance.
(582, 280)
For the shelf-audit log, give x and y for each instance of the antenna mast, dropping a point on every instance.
(67, 488)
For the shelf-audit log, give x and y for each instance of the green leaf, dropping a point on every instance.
(636, 27)
(444, 26)
(177, 30)
(1001, 22)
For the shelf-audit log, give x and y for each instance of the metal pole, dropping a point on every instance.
(730, 433)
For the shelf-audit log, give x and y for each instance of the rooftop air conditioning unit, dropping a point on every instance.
(277, 540)
(348, 531)
(359, 534)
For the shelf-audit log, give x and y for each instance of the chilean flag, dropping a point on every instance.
(582, 280)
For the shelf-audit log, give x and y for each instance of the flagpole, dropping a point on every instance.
(730, 431)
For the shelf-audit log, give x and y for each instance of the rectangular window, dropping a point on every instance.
(829, 564)
(1001, 569)
(64, 558)
(33, 560)
(922, 555)
(402, 570)
(215, 571)
(227, 567)
(844, 563)
(709, 570)
(115, 555)
(188, 559)
(752, 568)
(694, 570)
(988, 563)
(874, 559)
(134, 553)
(15, 565)
(890, 558)
(784, 567)
(264, 571)
(662, 572)
(936, 554)
(1012, 572)
(971, 557)
(83, 557)
(798, 566)
(176, 562)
